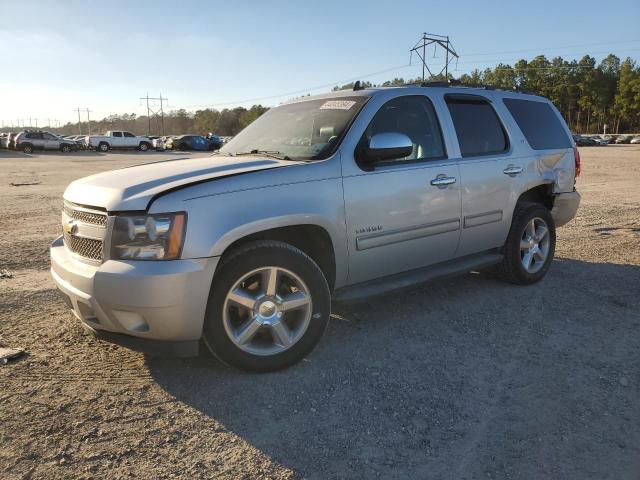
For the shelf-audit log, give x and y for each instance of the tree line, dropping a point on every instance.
(587, 94)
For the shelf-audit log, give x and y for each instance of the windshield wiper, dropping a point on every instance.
(267, 153)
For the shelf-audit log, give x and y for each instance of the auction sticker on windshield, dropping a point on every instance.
(337, 105)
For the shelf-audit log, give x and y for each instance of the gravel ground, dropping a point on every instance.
(461, 378)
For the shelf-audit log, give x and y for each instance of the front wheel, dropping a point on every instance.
(268, 308)
(144, 147)
(530, 245)
(27, 149)
(65, 148)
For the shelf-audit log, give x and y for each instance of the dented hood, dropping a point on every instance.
(133, 188)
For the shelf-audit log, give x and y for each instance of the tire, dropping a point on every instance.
(28, 149)
(183, 147)
(516, 253)
(65, 148)
(103, 147)
(304, 324)
(144, 146)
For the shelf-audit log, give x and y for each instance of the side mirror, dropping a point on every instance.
(388, 146)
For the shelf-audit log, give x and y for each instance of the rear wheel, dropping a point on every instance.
(27, 148)
(103, 147)
(268, 308)
(530, 245)
(65, 148)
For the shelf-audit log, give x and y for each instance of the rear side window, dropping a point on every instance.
(477, 126)
(117, 134)
(539, 124)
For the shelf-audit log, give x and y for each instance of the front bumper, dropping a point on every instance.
(565, 207)
(153, 306)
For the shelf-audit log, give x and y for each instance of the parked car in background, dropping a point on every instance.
(3, 139)
(635, 140)
(29, 141)
(244, 257)
(157, 143)
(117, 139)
(191, 142)
(623, 139)
(10, 140)
(216, 140)
(80, 140)
(584, 141)
(599, 140)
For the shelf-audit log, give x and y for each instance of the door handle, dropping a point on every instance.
(512, 170)
(441, 181)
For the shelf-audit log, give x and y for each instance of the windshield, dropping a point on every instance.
(305, 130)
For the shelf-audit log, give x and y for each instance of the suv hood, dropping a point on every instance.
(133, 188)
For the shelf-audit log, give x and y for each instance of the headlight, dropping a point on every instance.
(148, 237)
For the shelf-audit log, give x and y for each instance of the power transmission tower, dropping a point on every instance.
(150, 111)
(420, 49)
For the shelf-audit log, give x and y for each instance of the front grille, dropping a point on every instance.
(85, 247)
(92, 218)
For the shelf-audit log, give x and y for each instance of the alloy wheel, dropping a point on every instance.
(534, 245)
(267, 311)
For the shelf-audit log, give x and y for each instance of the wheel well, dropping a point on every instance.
(311, 239)
(540, 194)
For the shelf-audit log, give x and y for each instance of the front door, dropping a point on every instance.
(403, 214)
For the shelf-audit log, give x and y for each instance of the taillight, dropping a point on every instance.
(576, 159)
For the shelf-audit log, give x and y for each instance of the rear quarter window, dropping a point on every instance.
(539, 123)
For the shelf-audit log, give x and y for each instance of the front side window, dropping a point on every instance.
(305, 130)
(477, 125)
(539, 124)
(413, 116)
(129, 135)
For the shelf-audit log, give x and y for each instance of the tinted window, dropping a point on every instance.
(539, 123)
(413, 116)
(117, 134)
(477, 126)
(127, 134)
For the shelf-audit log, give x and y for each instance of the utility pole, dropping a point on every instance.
(160, 99)
(88, 120)
(442, 41)
(36, 123)
(79, 121)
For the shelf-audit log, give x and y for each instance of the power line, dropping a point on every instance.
(150, 111)
(551, 48)
(296, 92)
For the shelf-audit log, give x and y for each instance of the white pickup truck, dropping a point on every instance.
(117, 139)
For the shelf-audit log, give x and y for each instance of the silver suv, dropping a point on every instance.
(337, 196)
(28, 141)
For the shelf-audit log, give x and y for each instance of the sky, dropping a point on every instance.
(104, 56)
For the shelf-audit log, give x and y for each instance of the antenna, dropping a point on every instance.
(442, 41)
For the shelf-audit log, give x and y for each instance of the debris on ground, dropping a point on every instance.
(24, 184)
(6, 274)
(7, 354)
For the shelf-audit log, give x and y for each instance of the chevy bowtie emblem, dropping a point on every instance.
(70, 227)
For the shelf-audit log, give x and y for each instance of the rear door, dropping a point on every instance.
(116, 139)
(405, 213)
(485, 160)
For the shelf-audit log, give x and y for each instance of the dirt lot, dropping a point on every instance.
(462, 378)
